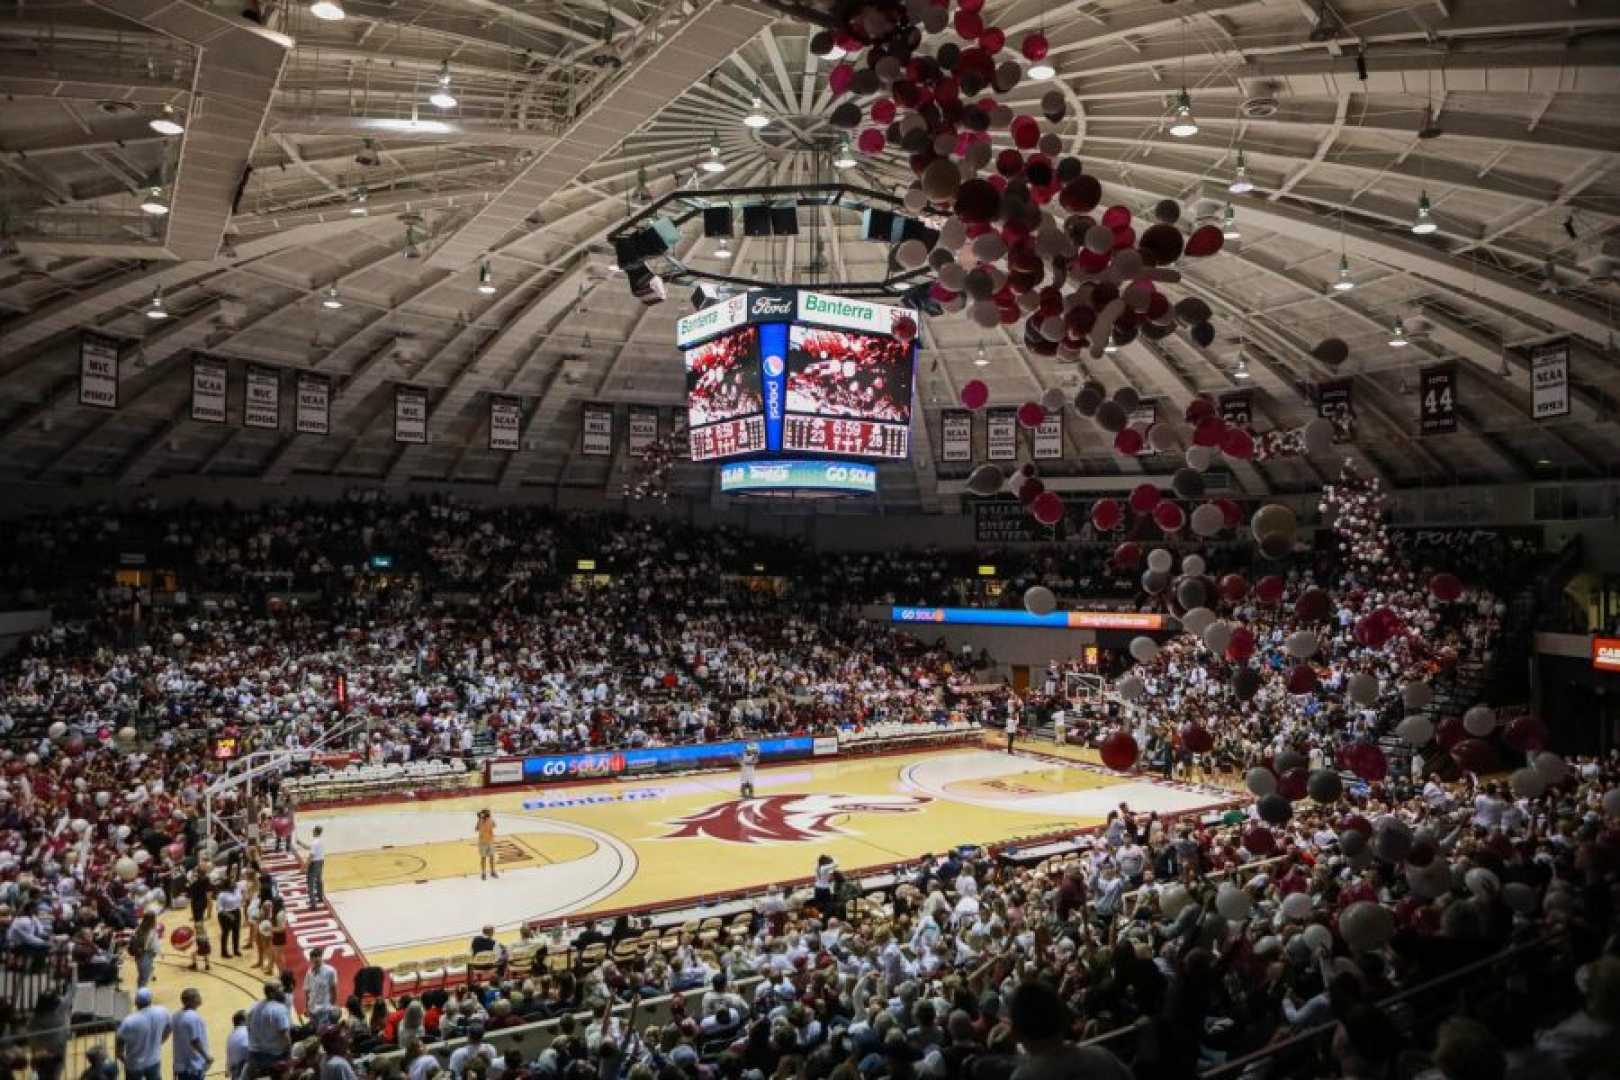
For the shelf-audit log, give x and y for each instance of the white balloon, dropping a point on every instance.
(127, 868)
(1482, 883)
(1318, 937)
(123, 831)
(103, 798)
(1131, 688)
(126, 734)
(57, 730)
(1144, 649)
(1160, 560)
(1480, 720)
(1193, 565)
(1197, 620)
(1527, 783)
(1217, 635)
(1319, 436)
(1611, 802)
(79, 825)
(1297, 906)
(1260, 782)
(1233, 903)
(1362, 688)
(1302, 644)
(1163, 437)
(1207, 519)
(1054, 399)
(1417, 695)
(1200, 458)
(1038, 600)
(1172, 899)
(1366, 926)
(1415, 730)
(30, 759)
(142, 856)
(1551, 767)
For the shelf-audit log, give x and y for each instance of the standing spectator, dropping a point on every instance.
(236, 1046)
(191, 1057)
(315, 869)
(320, 986)
(228, 903)
(269, 1028)
(140, 1038)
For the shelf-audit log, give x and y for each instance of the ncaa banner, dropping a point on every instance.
(1549, 380)
(1048, 438)
(643, 427)
(410, 414)
(1237, 409)
(505, 423)
(955, 435)
(208, 388)
(261, 398)
(1001, 434)
(98, 371)
(1333, 401)
(596, 431)
(313, 415)
(1437, 400)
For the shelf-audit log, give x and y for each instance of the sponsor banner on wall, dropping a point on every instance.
(955, 435)
(596, 431)
(562, 768)
(1237, 409)
(410, 414)
(1001, 434)
(825, 746)
(1606, 654)
(261, 398)
(1437, 400)
(208, 388)
(1067, 620)
(314, 413)
(505, 423)
(1048, 437)
(98, 371)
(1549, 380)
(1333, 401)
(643, 427)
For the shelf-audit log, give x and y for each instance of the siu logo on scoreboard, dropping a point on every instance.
(786, 818)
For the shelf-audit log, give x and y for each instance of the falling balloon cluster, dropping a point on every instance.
(651, 480)
(1022, 235)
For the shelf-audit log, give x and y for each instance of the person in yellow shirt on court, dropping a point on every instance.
(486, 846)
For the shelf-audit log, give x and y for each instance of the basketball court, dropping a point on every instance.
(402, 878)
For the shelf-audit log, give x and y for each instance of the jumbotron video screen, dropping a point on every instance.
(847, 393)
(725, 408)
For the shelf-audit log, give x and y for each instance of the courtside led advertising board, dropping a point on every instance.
(1606, 654)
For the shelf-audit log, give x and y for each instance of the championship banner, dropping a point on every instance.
(505, 423)
(1437, 400)
(1333, 400)
(1048, 437)
(98, 371)
(955, 435)
(1001, 434)
(208, 388)
(596, 431)
(643, 427)
(1237, 409)
(314, 413)
(1549, 380)
(410, 414)
(261, 398)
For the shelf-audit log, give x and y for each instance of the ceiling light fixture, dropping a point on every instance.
(1110, 348)
(327, 10)
(722, 250)
(1241, 184)
(1424, 223)
(1397, 336)
(1345, 282)
(713, 163)
(154, 307)
(168, 123)
(154, 203)
(442, 97)
(331, 300)
(358, 207)
(756, 117)
(845, 158)
(411, 250)
(486, 279)
(1242, 369)
(1041, 70)
(981, 358)
(1182, 124)
(1229, 226)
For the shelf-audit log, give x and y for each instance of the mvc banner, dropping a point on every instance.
(955, 435)
(208, 389)
(98, 371)
(596, 431)
(1001, 434)
(1437, 400)
(410, 414)
(261, 398)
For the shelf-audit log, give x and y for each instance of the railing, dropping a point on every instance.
(59, 1051)
(24, 976)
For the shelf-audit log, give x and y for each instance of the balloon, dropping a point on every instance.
(1241, 644)
(1415, 730)
(1031, 415)
(1233, 587)
(1232, 902)
(1131, 688)
(1367, 761)
(1296, 907)
(1479, 721)
(1155, 582)
(1352, 841)
(1106, 515)
(1551, 767)
(126, 868)
(179, 639)
(1039, 600)
(1269, 589)
(79, 825)
(1526, 734)
(1474, 755)
(1258, 840)
(1160, 560)
(1245, 683)
(1118, 751)
(1313, 605)
(1481, 883)
(1168, 516)
(1392, 840)
(1217, 635)
(126, 734)
(1260, 781)
(103, 798)
(1128, 555)
(1144, 649)
(1192, 565)
(1319, 437)
(1190, 593)
(1527, 783)
(1611, 802)
(57, 730)
(1128, 443)
(1273, 519)
(1199, 458)
(1197, 620)
(1362, 688)
(1445, 587)
(975, 394)
(1274, 809)
(985, 480)
(1429, 882)
(1207, 520)
(1302, 680)
(1324, 786)
(1417, 695)
(1365, 926)
(1047, 508)
(1144, 497)
(1172, 899)
(1521, 897)
(1196, 738)
(1318, 938)
(1301, 644)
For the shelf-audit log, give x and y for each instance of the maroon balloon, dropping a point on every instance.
(1356, 822)
(1259, 840)
(1128, 442)
(1106, 514)
(1198, 410)
(1240, 646)
(1291, 784)
(1144, 497)
(1445, 587)
(1367, 761)
(1474, 755)
(1302, 679)
(1196, 737)
(1128, 556)
(1118, 751)
(1525, 734)
(1313, 605)
(1269, 589)
(1047, 507)
(1169, 516)
(1450, 733)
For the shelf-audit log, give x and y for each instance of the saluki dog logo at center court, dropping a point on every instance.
(786, 818)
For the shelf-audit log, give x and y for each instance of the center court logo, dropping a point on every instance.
(787, 818)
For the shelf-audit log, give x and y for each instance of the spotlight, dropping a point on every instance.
(331, 301)
(1110, 348)
(486, 279)
(1424, 224)
(981, 358)
(756, 117)
(154, 307)
(1041, 71)
(1397, 336)
(1241, 184)
(442, 97)
(722, 250)
(154, 203)
(327, 10)
(713, 163)
(1182, 124)
(1229, 226)
(845, 158)
(1242, 369)
(168, 123)
(1345, 283)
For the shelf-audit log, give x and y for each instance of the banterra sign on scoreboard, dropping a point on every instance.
(825, 310)
(784, 305)
(711, 320)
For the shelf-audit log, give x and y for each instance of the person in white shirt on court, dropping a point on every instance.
(191, 1057)
(320, 985)
(750, 758)
(140, 1038)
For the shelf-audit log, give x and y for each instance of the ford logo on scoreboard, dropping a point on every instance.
(845, 477)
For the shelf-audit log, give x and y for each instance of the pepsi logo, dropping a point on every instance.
(774, 366)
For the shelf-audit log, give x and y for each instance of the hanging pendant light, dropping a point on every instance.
(154, 307)
(486, 279)
(1182, 124)
(155, 203)
(1424, 223)
(1242, 369)
(845, 158)
(327, 10)
(1241, 184)
(168, 123)
(358, 206)
(1041, 70)
(981, 358)
(442, 97)
(756, 117)
(331, 300)
(1229, 226)
(722, 250)
(1345, 282)
(1397, 336)
(714, 163)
